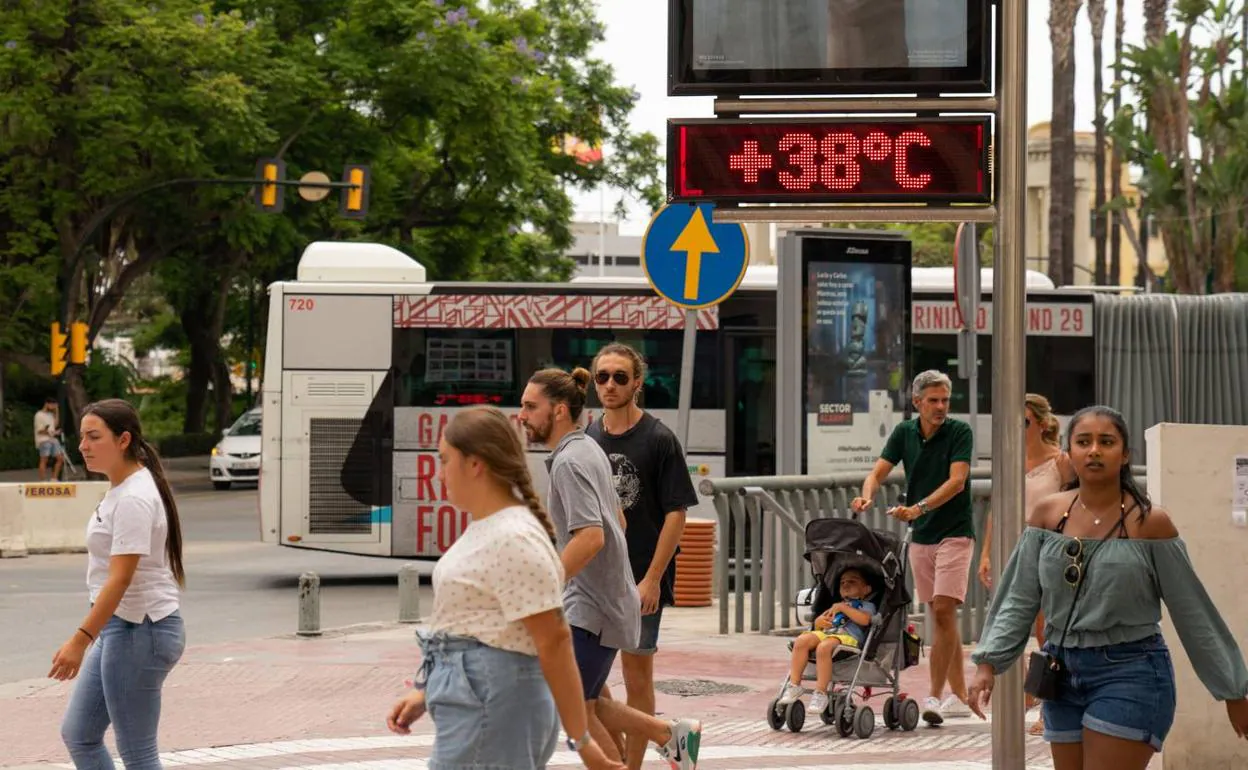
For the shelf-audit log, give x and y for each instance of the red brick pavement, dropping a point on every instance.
(340, 686)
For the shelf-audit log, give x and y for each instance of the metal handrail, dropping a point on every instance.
(760, 550)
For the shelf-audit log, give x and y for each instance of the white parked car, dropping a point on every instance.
(236, 457)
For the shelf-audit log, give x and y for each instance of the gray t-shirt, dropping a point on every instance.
(602, 599)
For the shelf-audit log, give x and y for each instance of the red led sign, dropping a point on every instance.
(885, 160)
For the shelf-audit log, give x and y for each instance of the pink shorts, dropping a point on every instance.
(943, 569)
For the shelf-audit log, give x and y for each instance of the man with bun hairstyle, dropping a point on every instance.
(600, 600)
(652, 480)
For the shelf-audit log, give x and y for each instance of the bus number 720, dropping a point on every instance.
(302, 303)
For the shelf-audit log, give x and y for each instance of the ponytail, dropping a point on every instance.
(173, 541)
(1052, 429)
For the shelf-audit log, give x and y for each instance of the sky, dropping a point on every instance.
(636, 47)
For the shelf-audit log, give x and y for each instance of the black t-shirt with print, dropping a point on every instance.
(652, 479)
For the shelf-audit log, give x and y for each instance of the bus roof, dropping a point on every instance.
(342, 262)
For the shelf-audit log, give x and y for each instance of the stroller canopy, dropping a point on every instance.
(834, 545)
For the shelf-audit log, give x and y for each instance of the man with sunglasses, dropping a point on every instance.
(935, 451)
(653, 483)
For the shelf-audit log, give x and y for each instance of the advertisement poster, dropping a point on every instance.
(829, 34)
(856, 349)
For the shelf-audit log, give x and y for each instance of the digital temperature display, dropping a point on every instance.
(885, 160)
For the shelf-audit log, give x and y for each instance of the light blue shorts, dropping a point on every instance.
(50, 448)
(491, 708)
(1123, 690)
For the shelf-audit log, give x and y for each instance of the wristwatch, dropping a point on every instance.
(584, 741)
(922, 506)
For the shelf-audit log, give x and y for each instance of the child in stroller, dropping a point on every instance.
(845, 622)
(851, 564)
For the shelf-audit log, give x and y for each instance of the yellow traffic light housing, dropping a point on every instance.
(60, 353)
(78, 342)
(355, 198)
(269, 198)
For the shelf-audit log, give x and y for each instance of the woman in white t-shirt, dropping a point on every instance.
(497, 659)
(133, 631)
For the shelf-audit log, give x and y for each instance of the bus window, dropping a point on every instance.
(1062, 369)
(466, 367)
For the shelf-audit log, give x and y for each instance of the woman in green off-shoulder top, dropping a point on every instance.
(1105, 551)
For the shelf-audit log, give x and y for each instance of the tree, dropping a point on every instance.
(1188, 136)
(1062, 16)
(465, 108)
(1096, 15)
(1115, 163)
(106, 104)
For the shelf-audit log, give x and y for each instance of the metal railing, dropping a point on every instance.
(762, 521)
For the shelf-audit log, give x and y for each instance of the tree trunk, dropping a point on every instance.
(223, 389)
(199, 371)
(1096, 14)
(1062, 14)
(1115, 165)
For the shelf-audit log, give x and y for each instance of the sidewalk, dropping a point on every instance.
(286, 702)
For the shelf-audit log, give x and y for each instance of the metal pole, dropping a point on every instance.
(409, 594)
(686, 378)
(309, 604)
(1008, 342)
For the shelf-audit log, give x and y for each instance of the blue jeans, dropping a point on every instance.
(490, 708)
(1124, 690)
(119, 683)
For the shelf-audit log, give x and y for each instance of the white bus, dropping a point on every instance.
(366, 361)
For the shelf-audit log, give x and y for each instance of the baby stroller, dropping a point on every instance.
(832, 546)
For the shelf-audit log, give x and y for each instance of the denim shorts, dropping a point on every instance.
(490, 708)
(648, 641)
(1123, 690)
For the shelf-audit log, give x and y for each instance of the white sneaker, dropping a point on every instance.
(954, 708)
(791, 693)
(818, 702)
(932, 711)
(681, 750)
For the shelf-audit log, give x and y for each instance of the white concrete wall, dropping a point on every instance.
(46, 518)
(1190, 474)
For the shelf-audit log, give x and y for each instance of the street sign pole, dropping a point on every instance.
(1008, 351)
(687, 350)
(966, 276)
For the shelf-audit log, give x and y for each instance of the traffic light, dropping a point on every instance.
(355, 199)
(60, 355)
(78, 342)
(269, 198)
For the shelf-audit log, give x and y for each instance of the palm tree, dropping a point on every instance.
(1062, 14)
(1096, 15)
(1160, 119)
(1115, 165)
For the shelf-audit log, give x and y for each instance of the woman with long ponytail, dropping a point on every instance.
(498, 674)
(133, 635)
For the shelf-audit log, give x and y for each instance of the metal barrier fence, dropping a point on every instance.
(771, 569)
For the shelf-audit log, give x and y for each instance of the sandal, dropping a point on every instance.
(1037, 728)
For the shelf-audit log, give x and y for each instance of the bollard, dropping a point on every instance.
(409, 594)
(309, 604)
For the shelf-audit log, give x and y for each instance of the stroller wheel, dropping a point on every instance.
(892, 713)
(775, 717)
(795, 716)
(909, 714)
(844, 718)
(864, 722)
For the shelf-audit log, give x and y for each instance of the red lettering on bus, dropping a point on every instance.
(424, 526)
(448, 532)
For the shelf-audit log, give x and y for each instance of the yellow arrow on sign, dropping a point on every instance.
(695, 240)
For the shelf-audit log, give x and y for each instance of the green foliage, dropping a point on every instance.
(160, 405)
(108, 377)
(1184, 123)
(189, 445)
(18, 453)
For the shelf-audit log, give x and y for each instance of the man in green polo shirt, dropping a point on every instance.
(935, 452)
